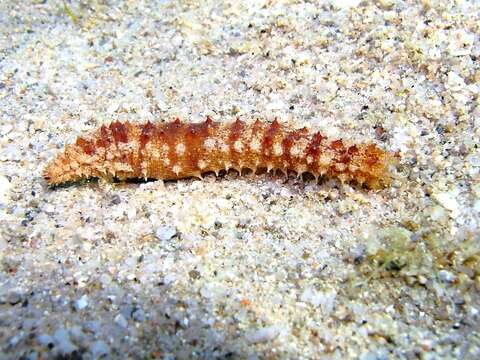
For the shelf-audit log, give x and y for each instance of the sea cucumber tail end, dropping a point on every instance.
(66, 168)
(56, 172)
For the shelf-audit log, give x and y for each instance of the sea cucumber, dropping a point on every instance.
(176, 150)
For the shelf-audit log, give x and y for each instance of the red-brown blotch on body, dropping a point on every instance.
(178, 150)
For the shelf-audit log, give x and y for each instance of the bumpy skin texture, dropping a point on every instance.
(178, 150)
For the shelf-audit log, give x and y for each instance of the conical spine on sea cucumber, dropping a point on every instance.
(178, 150)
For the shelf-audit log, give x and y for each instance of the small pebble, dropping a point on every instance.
(32, 356)
(45, 340)
(115, 200)
(81, 303)
(105, 279)
(446, 276)
(62, 340)
(422, 279)
(13, 298)
(15, 339)
(263, 335)
(127, 311)
(121, 321)
(92, 326)
(194, 274)
(99, 349)
(165, 233)
(448, 201)
(357, 254)
(169, 278)
(473, 312)
(138, 315)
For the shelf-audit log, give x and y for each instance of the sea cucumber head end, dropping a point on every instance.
(379, 169)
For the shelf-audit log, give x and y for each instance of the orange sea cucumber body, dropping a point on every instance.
(178, 150)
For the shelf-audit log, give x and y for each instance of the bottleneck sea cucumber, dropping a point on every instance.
(176, 150)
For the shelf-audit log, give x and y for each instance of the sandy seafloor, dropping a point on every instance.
(239, 266)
